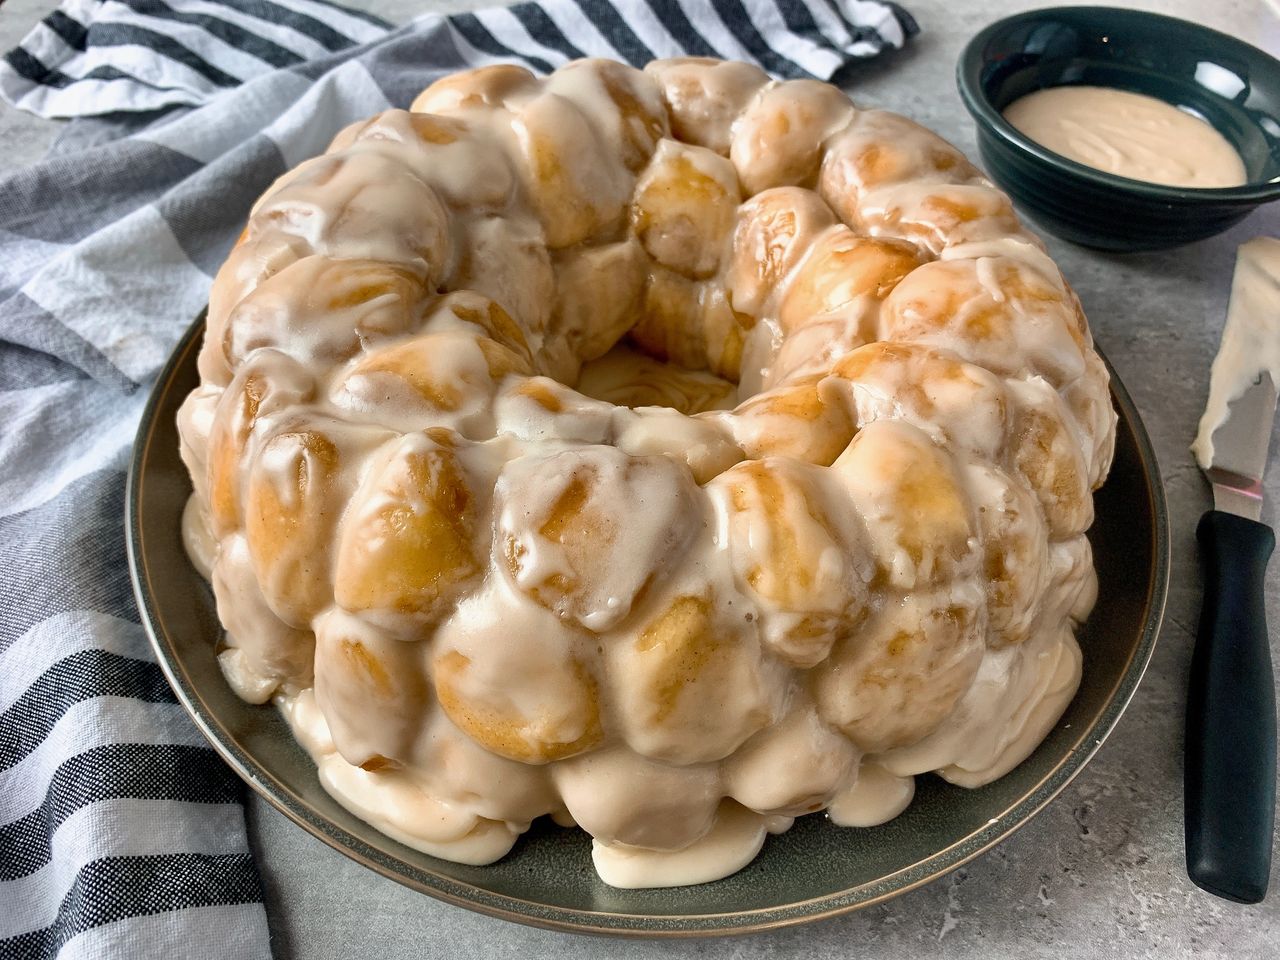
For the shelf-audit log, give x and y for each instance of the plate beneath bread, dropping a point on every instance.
(815, 870)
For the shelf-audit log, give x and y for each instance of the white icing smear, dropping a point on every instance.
(1014, 701)
(1128, 134)
(731, 844)
(479, 522)
(201, 546)
(1250, 340)
(392, 801)
(876, 797)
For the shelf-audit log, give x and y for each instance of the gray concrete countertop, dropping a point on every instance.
(1097, 874)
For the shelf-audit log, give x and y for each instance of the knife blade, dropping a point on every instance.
(1240, 445)
(1230, 751)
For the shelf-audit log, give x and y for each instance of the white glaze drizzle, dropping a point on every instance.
(1250, 340)
(628, 653)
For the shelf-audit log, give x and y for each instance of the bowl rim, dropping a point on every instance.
(972, 93)
(628, 925)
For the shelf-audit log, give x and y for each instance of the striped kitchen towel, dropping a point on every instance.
(121, 834)
(96, 57)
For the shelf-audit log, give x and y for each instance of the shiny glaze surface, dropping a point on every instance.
(392, 471)
(1128, 134)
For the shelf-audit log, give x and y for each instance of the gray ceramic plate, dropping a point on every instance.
(815, 870)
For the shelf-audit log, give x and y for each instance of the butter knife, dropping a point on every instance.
(1230, 772)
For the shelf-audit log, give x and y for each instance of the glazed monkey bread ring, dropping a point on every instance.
(671, 452)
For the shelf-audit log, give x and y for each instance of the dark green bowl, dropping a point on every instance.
(1232, 85)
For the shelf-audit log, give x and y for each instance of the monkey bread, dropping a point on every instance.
(672, 452)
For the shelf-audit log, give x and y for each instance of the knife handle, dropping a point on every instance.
(1230, 785)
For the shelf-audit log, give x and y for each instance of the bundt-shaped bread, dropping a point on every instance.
(673, 452)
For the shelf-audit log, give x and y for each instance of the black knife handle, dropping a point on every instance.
(1230, 786)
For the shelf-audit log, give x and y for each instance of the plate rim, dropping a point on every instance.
(639, 925)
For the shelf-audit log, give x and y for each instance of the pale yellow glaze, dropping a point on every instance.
(1129, 134)
(1250, 340)
(495, 559)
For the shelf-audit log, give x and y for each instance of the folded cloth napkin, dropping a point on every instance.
(121, 833)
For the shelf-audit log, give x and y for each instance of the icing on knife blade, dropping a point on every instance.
(1250, 349)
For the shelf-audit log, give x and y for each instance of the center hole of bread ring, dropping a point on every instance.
(628, 378)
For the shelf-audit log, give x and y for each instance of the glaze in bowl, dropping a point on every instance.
(813, 871)
(1225, 81)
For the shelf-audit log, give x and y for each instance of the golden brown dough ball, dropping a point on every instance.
(619, 797)
(478, 312)
(1047, 452)
(554, 710)
(993, 311)
(374, 209)
(774, 231)
(705, 97)
(195, 423)
(533, 409)
(693, 683)
(260, 653)
(417, 130)
(435, 379)
(372, 689)
(700, 442)
(812, 351)
(619, 101)
(464, 772)
(577, 182)
(461, 160)
(269, 383)
(912, 499)
(960, 405)
(292, 506)
(830, 305)
(684, 206)
(513, 731)
(778, 140)
(896, 680)
(798, 420)
(405, 544)
(490, 86)
(1089, 400)
(525, 289)
(668, 327)
(348, 304)
(845, 276)
(586, 531)
(234, 420)
(879, 149)
(1072, 587)
(250, 262)
(795, 549)
(938, 216)
(724, 332)
(1015, 551)
(599, 295)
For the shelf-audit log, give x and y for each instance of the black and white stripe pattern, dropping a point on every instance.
(97, 57)
(106, 56)
(789, 38)
(121, 834)
(112, 808)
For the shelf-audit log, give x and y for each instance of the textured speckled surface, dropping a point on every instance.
(1098, 874)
